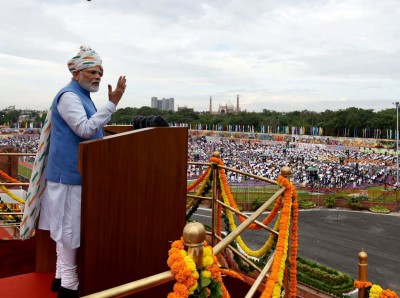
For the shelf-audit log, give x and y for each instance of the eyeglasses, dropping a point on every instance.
(94, 72)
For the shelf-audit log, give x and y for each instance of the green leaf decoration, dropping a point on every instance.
(216, 289)
(204, 281)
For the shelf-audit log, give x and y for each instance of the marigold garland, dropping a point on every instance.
(200, 179)
(184, 270)
(294, 240)
(274, 282)
(186, 275)
(257, 253)
(6, 191)
(231, 273)
(228, 199)
(288, 230)
(375, 290)
(204, 181)
(388, 293)
(213, 267)
(8, 178)
(225, 186)
(11, 195)
(362, 284)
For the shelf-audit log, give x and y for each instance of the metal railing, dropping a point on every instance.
(164, 277)
(14, 225)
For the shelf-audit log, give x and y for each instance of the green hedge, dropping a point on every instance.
(323, 278)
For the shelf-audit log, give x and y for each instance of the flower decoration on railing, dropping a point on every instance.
(193, 282)
(11, 195)
(286, 212)
(274, 283)
(6, 191)
(8, 178)
(374, 291)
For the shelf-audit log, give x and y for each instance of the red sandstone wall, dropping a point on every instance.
(9, 164)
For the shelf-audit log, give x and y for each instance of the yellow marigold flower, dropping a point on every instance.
(206, 273)
(207, 261)
(276, 292)
(190, 263)
(193, 288)
(375, 291)
(207, 250)
(195, 274)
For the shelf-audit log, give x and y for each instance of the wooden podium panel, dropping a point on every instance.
(133, 205)
(115, 129)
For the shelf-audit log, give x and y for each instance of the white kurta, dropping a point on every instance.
(60, 211)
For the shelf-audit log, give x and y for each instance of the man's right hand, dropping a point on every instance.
(115, 96)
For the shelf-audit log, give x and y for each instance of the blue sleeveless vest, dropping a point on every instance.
(62, 164)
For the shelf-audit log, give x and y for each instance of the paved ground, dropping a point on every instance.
(334, 237)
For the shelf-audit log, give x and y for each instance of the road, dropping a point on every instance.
(334, 237)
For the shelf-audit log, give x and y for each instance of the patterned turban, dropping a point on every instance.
(85, 58)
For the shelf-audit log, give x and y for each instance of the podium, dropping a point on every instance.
(133, 206)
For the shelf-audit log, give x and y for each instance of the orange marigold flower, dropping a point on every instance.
(181, 289)
(388, 293)
(362, 284)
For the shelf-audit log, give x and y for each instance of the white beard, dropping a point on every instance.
(89, 87)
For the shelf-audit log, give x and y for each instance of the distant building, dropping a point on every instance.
(226, 108)
(185, 108)
(10, 108)
(154, 103)
(167, 104)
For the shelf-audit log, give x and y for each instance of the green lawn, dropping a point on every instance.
(262, 194)
(24, 172)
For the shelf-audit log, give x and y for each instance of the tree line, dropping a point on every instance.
(351, 122)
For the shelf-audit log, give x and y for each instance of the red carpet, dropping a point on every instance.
(31, 285)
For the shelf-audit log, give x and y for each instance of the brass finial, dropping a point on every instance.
(286, 172)
(216, 154)
(362, 256)
(194, 234)
(362, 270)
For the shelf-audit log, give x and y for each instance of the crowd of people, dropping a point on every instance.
(313, 166)
(25, 143)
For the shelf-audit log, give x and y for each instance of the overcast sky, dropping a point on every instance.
(276, 55)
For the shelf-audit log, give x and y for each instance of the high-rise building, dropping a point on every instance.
(168, 104)
(163, 104)
(154, 102)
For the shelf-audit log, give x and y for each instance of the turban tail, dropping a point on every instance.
(37, 183)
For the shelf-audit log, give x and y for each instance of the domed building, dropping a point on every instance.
(228, 108)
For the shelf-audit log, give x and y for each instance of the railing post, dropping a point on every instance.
(362, 271)
(286, 172)
(214, 204)
(193, 237)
